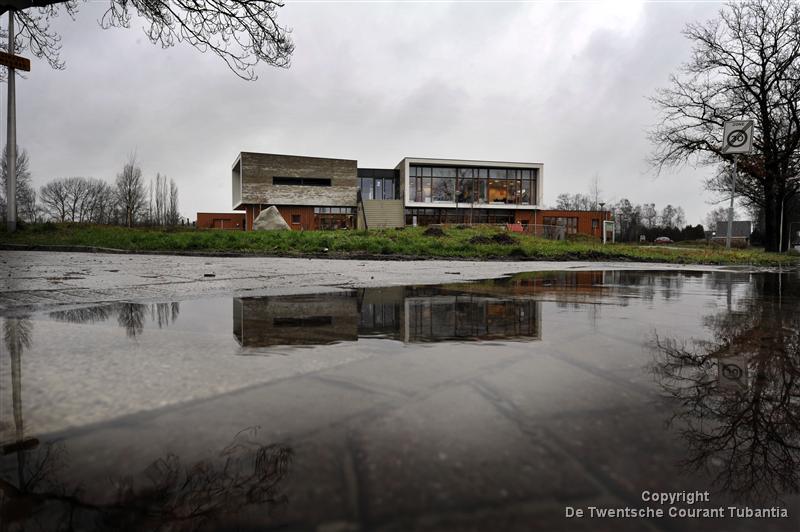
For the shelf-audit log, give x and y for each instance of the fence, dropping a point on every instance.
(548, 232)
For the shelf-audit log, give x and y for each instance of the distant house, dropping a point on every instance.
(221, 220)
(741, 231)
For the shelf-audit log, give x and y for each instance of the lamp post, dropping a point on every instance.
(603, 219)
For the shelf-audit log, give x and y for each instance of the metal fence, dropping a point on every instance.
(548, 232)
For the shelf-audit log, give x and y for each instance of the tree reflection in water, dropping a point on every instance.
(36, 489)
(739, 394)
(172, 495)
(130, 316)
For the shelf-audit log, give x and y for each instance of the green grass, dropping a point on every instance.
(409, 242)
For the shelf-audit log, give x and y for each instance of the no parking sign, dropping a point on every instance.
(737, 136)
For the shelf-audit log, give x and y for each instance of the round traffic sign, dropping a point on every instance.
(732, 371)
(737, 138)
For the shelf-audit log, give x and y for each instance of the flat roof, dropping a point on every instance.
(438, 160)
(292, 155)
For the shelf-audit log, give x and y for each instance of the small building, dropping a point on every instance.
(741, 231)
(322, 193)
(221, 220)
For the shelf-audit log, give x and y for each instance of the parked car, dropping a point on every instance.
(663, 240)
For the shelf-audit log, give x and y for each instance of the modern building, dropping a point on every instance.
(321, 193)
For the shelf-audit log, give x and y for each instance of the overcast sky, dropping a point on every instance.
(564, 84)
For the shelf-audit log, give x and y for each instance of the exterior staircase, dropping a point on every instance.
(384, 213)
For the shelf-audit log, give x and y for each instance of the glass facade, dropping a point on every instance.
(427, 216)
(334, 217)
(378, 184)
(493, 186)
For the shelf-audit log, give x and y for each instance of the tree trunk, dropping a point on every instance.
(772, 214)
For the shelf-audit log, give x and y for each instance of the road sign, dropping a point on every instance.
(737, 136)
(15, 61)
(732, 372)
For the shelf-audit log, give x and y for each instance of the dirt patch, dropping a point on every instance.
(433, 231)
(503, 239)
(480, 239)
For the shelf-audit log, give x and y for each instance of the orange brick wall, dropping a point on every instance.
(306, 214)
(220, 220)
(584, 219)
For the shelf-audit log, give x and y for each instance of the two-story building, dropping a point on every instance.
(321, 193)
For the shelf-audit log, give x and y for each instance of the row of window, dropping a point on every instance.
(482, 173)
(570, 223)
(425, 216)
(472, 185)
(334, 210)
(380, 188)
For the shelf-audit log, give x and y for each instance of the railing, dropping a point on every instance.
(548, 232)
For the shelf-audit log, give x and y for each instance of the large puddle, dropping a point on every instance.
(490, 405)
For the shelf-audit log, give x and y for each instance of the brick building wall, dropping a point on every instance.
(586, 222)
(221, 220)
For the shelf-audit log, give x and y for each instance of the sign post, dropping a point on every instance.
(737, 137)
(13, 62)
(11, 136)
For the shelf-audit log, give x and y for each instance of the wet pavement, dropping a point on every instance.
(32, 280)
(485, 405)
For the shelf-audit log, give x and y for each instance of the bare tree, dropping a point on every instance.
(173, 214)
(53, 196)
(720, 214)
(595, 193)
(243, 33)
(78, 199)
(25, 194)
(573, 202)
(668, 216)
(680, 217)
(130, 191)
(649, 214)
(77, 191)
(744, 64)
(103, 204)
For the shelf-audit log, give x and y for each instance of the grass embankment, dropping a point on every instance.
(410, 242)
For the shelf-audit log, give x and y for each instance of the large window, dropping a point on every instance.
(427, 216)
(381, 188)
(569, 223)
(434, 184)
(334, 217)
(302, 181)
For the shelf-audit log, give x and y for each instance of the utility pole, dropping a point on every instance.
(11, 149)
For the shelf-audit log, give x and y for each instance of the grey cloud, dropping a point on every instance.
(374, 82)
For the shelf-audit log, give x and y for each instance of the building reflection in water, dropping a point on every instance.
(500, 309)
(409, 314)
(738, 395)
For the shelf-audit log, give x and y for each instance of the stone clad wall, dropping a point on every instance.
(258, 169)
